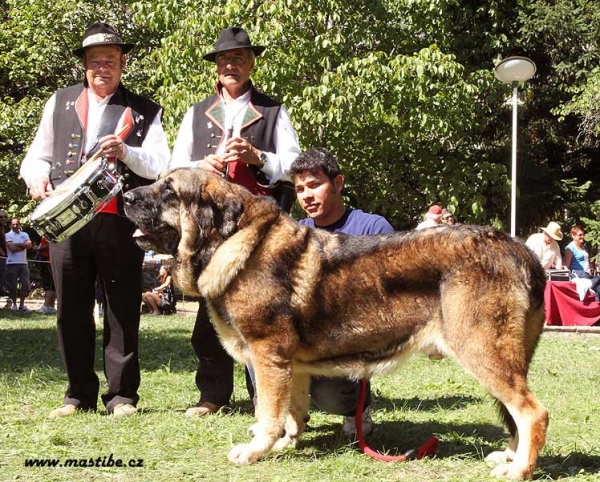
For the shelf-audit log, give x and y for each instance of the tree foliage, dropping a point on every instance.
(401, 91)
(378, 92)
(562, 38)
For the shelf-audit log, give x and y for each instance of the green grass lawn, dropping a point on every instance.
(424, 398)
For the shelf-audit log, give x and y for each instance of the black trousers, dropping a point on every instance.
(214, 377)
(103, 248)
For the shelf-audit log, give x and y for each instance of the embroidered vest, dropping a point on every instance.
(69, 118)
(258, 127)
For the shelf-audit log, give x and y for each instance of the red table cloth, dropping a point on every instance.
(564, 308)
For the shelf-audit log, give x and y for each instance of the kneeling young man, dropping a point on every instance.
(319, 183)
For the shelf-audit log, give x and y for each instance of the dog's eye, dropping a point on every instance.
(168, 193)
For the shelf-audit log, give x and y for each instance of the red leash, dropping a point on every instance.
(428, 448)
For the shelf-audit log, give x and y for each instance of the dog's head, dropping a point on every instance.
(188, 213)
(184, 210)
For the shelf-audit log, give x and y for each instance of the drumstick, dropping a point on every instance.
(99, 151)
(93, 158)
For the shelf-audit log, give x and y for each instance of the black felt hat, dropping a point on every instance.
(232, 38)
(101, 34)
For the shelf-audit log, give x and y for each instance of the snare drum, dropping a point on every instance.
(76, 201)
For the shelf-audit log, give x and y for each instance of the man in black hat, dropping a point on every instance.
(77, 121)
(247, 137)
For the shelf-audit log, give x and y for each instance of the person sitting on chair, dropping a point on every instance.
(448, 217)
(545, 245)
(161, 297)
(577, 257)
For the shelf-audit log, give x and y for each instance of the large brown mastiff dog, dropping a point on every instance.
(294, 301)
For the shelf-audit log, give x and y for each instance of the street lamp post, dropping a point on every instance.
(511, 71)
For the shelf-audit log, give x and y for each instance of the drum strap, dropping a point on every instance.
(110, 119)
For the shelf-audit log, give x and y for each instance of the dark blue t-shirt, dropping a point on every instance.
(355, 222)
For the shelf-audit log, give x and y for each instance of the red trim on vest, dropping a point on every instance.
(254, 119)
(210, 116)
(81, 107)
(110, 208)
(126, 119)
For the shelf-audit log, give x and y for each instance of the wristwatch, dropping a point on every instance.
(262, 160)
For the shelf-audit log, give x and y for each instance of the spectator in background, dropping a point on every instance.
(447, 217)
(3, 253)
(17, 269)
(433, 218)
(161, 297)
(577, 258)
(43, 257)
(545, 245)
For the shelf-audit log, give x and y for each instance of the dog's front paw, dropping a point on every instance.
(500, 457)
(510, 472)
(243, 454)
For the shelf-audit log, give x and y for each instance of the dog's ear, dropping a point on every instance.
(195, 212)
(207, 219)
(187, 248)
(231, 210)
(216, 216)
(219, 208)
(202, 216)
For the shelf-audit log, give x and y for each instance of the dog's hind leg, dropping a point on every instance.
(525, 416)
(297, 418)
(273, 387)
(500, 363)
(531, 420)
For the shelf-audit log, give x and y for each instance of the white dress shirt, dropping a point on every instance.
(147, 161)
(284, 138)
(548, 254)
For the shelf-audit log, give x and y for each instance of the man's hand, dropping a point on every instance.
(240, 150)
(213, 163)
(40, 188)
(113, 146)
